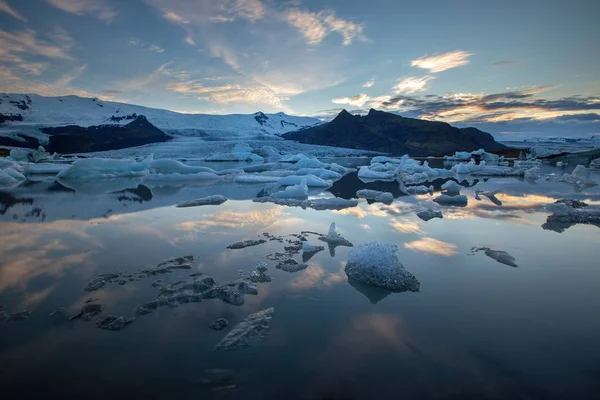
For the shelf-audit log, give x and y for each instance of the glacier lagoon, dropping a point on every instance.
(477, 327)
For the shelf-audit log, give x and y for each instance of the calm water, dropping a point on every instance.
(477, 329)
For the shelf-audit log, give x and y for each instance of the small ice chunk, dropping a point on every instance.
(218, 324)
(112, 323)
(532, 174)
(418, 189)
(378, 265)
(293, 158)
(385, 159)
(309, 180)
(269, 152)
(308, 163)
(309, 248)
(451, 187)
(13, 317)
(376, 195)
(428, 214)
(246, 243)
(320, 173)
(335, 238)
(365, 173)
(501, 256)
(88, 311)
(299, 191)
(252, 329)
(290, 265)
(45, 169)
(213, 200)
(340, 169)
(459, 201)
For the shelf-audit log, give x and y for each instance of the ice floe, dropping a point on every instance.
(378, 265)
(365, 173)
(427, 214)
(290, 265)
(568, 212)
(451, 187)
(213, 200)
(309, 180)
(112, 323)
(499, 255)
(251, 330)
(417, 189)
(246, 243)
(299, 191)
(218, 324)
(375, 195)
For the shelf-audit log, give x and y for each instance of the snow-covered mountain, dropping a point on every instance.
(28, 112)
(593, 140)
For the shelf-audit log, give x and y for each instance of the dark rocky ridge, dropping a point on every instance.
(391, 133)
(76, 139)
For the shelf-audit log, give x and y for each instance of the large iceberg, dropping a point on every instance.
(299, 191)
(378, 265)
(366, 173)
(85, 168)
(482, 169)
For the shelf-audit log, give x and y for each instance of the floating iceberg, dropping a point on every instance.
(269, 152)
(87, 168)
(499, 255)
(428, 214)
(252, 329)
(308, 163)
(309, 248)
(246, 243)
(376, 195)
(459, 201)
(167, 166)
(299, 191)
(385, 159)
(214, 200)
(568, 212)
(466, 156)
(377, 264)
(580, 177)
(320, 173)
(293, 158)
(290, 265)
(45, 169)
(418, 189)
(309, 180)
(594, 164)
(32, 155)
(10, 176)
(532, 174)
(482, 169)
(177, 177)
(256, 179)
(340, 169)
(333, 203)
(334, 239)
(367, 174)
(451, 187)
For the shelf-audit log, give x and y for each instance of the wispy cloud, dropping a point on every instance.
(21, 49)
(442, 62)
(362, 99)
(176, 18)
(195, 87)
(7, 9)
(316, 26)
(67, 78)
(98, 8)
(433, 246)
(412, 84)
(156, 49)
(190, 40)
(369, 83)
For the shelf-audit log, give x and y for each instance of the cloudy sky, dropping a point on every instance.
(516, 68)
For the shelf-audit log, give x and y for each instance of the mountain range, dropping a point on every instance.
(24, 115)
(391, 133)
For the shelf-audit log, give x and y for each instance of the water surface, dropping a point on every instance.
(477, 328)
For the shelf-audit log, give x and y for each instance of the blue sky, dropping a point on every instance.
(514, 67)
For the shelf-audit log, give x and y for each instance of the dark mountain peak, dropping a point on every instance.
(392, 133)
(343, 117)
(261, 118)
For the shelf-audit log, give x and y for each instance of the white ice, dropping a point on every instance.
(214, 200)
(383, 197)
(299, 191)
(365, 173)
(310, 180)
(418, 189)
(320, 172)
(87, 168)
(451, 187)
